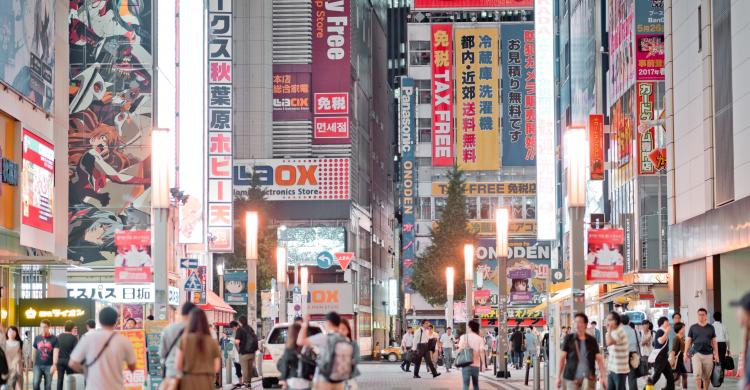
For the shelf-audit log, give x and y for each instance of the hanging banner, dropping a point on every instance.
(477, 111)
(546, 168)
(331, 71)
(37, 192)
(133, 260)
(596, 146)
(137, 378)
(442, 95)
(267, 304)
(604, 261)
(518, 94)
(645, 93)
(620, 22)
(649, 36)
(407, 126)
(235, 288)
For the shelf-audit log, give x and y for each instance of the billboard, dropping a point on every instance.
(477, 110)
(331, 71)
(442, 95)
(110, 121)
(27, 55)
(488, 188)
(294, 179)
(37, 192)
(604, 261)
(479, 5)
(544, 38)
(291, 92)
(518, 94)
(649, 16)
(407, 126)
(527, 270)
(304, 244)
(112, 292)
(620, 21)
(596, 146)
(133, 262)
(327, 297)
(645, 106)
(649, 56)
(235, 287)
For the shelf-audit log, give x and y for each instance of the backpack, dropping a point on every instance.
(251, 341)
(336, 361)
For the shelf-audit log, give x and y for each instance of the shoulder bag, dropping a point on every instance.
(465, 356)
(169, 350)
(641, 369)
(101, 351)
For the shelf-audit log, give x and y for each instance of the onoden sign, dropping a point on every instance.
(326, 297)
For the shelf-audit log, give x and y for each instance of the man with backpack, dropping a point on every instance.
(246, 342)
(170, 338)
(336, 354)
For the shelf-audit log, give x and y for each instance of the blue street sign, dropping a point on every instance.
(325, 259)
(189, 263)
(193, 282)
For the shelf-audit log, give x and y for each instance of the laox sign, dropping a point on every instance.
(286, 175)
(324, 296)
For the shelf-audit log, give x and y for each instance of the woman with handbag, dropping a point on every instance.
(295, 369)
(198, 357)
(470, 353)
(675, 355)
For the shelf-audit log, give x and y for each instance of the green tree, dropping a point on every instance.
(449, 236)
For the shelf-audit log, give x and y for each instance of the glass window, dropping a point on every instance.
(471, 207)
(424, 128)
(439, 206)
(424, 90)
(516, 208)
(424, 208)
(531, 207)
(419, 58)
(485, 208)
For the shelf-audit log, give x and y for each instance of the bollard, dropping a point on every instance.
(546, 374)
(537, 385)
(229, 363)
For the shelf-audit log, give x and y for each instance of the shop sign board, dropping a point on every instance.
(442, 95)
(304, 245)
(235, 287)
(478, 5)
(133, 263)
(544, 39)
(153, 331)
(55, 310)
(528, 267)
(604, 260)
(646, 109)
(37, 192)
(137, 378)
(407, 129)
(173, 296)
(487, 188)
(596, 146)
(327, 297)
(518, 94)
(291, 92)
(294, 179)
(112, 292)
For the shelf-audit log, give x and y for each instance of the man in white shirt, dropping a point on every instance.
(722, 340)
(421, 349)
(407, 341)
(446, 345)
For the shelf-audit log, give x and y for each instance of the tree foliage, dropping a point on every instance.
(449, 236)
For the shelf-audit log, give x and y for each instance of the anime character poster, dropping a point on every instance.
(109, 135)
(604, 261)
(133, 260)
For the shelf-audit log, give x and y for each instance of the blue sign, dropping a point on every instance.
(325, 260)
(235, 288)
(408, 190)
(188, 263)
(193, 282)
(518, 94)
(9, 172)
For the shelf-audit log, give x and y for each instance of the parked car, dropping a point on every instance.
(392, 354)
(273, 348)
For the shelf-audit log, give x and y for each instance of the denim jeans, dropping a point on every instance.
(616, 381)
(448, 358)
(470, 373)
(633, 379)
(42, 371)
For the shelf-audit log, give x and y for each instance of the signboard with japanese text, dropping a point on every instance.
(442, 95)
(291, 92)
(294, 179)
(153, 331)
(112, 292)
(649, 16)
(620, 22)
(331, 71)
(37, 192)
(516, 228)
(604, 260)
(137, 378)
(645, 93)
(622, 128)
(327, 297)
(477, 108)
(518, 94)
(488, 188)
(546, 168)
(235, 287)
(649, 56)
(407, 128)
(30, 312)
(480, 5)
(133, 262)
(596, 146)
(9, 175)
(220, 126)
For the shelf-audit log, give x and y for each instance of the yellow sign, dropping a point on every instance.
(485, 189)
(33, 314)
(477, 99)
(136, 378)
(516, 228)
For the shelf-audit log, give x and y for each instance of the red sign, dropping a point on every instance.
(37, 182)
(331, 71)
(649, 57)
(442, 95)
(659, 158)
(470, 4)
(133, 260)
(604, 261)
(344, 258)
(291, 92)
(596, 146)
(645, 92)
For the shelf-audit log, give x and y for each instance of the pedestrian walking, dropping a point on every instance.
(246, 342)
(407, 342)
(198, 354)
(722, 340)
(701, 339)
(432, 344)
(634, 354)
(66, 342)
(336, 355)
(472, 339)
(170, 338)
(531, 344)
(661, 352)
(676, 318)
(597, 333)
(676, 353)
(102, 354)
(44, 345)
(14, 355)
(421, 350)
(743, 315)
(295, 370)
(489, 339)
(617, 347)
(234, 325)
(580, 353)
(446, 346)
(647, 338)
(516, 343)
(346, 330)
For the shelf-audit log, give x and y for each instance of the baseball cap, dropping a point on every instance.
(743, 302)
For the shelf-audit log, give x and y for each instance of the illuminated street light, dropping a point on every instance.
(469, 278)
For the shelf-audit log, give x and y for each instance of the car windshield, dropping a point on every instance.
(279, 335)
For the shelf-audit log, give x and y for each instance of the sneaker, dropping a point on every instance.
(417, 376)
(436, 375)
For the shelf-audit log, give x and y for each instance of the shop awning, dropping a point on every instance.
(215, 303)
(616, 293)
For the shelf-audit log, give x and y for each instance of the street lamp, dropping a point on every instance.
(576, 152)
(501, 250)
(304, 276)
(469, 278)
(251, 258)
(162, 146)
(220, 274)
(450, 275)
(281, 277)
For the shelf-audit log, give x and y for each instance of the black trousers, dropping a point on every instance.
(661, 366)
(61, 371)
(423, 353)
(722, 352)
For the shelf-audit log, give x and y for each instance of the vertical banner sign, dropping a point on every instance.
(545, 121)
(518, 94)
(331, 70)
(133, 260)
(477, 111)
(220, 213)
(137, 378)
(596, 146)
(604, 262)
(407, 125)
(646, 142)
(442, 95)
(37, 192)
(620, 21)
(649, 48)
(153, 331)
(235, 288)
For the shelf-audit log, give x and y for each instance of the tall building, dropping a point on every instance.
(708, 166)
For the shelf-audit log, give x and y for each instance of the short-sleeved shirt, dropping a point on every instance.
(476, 343)
(66, 342)
(44, 347)
(243, 335)
(721, 332)
(658, 345)
(199, 361)
(446, 340)
(105, 372)
(617, 361)
(575, 362)
(702, 337)
(632, 339)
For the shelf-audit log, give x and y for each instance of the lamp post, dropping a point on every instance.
(220, 274)
(303, 272)
(576, 147)
(501, 249)
(469, 278)
(161, 170)
(450, 275)
(251, 258)
(281, 277)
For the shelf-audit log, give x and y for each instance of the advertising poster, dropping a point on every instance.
(645, 93)
(649, 56)
(136, 379)
(294, 179)
(331, 71)
(130, 311)
(442, 95)
(110, 121)
(604, 261)
(622, 128)
(477, 111)
(37, 192)
(596, 146)
(527, 269)
(235, 287)
(546, 168)
(153, 331)
(267, 304)
(407, 126)
(291, 92)
(133, 260)
(304, 244)
(27, 55)
(481, 5)
(649, 16)
(518, 94)
(620, 20)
